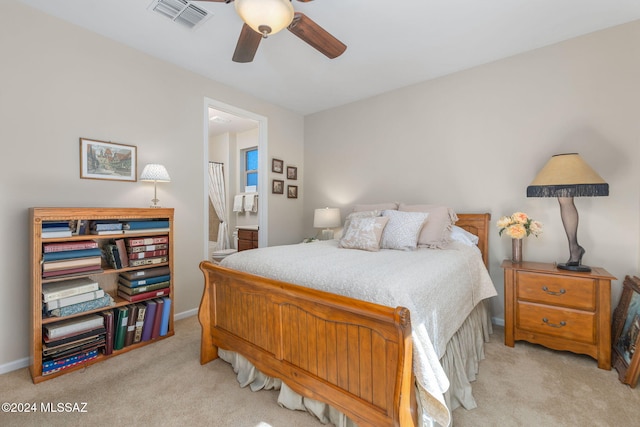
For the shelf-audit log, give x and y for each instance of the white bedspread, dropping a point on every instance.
(440, 287)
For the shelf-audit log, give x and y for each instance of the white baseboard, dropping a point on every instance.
(497, 321)
(24, 362)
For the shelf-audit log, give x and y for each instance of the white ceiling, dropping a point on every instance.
(391, 43)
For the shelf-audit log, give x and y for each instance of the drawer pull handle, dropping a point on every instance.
(562, 291)
(554, 325)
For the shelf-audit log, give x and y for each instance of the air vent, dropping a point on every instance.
(180, 11)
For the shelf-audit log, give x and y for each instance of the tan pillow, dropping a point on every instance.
(361, 214)
(376, 207)
(364, 233)
(436, 231)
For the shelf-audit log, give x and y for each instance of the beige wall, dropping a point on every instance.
(475, 140)
(59, 83)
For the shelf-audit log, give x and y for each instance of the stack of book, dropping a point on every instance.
(55, 229)
(145, 226)
(147, 250)
(73, 296)
(63, 259)
(70, 342)
(143, 284)
(106, 227)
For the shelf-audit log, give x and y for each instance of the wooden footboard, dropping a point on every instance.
(353, 355)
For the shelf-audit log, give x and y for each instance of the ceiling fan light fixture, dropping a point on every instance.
(265, 17)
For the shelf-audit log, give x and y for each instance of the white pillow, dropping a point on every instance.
(461, 235)
(402, 230)
(364, 233)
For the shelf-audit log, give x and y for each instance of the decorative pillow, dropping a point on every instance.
(461, 235)
(362, 214)
(436, 232)
(402, 230)
(376, 207)
(364, 233)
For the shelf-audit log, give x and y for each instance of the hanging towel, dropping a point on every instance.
(238, 203)
(251, 203)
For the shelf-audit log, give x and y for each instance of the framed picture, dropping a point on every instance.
(108, 160)
(292, 191)
(277, 165)
(277, 186)
(292, 172)
(625, 357)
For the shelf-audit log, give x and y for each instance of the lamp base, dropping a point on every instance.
(326, 234)
(579, 267)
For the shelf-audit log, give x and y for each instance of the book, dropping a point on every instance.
(140, 241)
(106, 225)
(108, 326)
(148, 230)
(149, 318)
(145, 273)
(51, 367)
(155, 331)
(145, 224)
(143, 282)
(67, 288)
(120, 327)
(104, 301)
(69, 246)
(55, 224)
(146, 248)
(112, 256)
(72, 263)
(143, 296)
(142, 289)
(93, 344)
(48, 234)
(71, 272)
(69, 326)
(57, 350)
(73, 337)
(73, 299)
(122, 252)
(148, 261)
(105, 232)
(141, 312)
(148, 254)
(79, 253)
(131, 324)
(166, 314)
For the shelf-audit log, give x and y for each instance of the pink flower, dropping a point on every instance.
(516, 231)
(520, 217)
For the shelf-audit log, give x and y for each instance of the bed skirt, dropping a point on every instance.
(460, 363)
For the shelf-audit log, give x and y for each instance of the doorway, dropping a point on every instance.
(229, 131)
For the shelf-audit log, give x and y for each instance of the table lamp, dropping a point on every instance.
(326, 218)
(155, 173)
(566, 176)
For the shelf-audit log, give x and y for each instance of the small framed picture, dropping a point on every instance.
(292, 191)
(625, 357)
(277, 165)
(277, 186)
(107, 160)
(292, 172)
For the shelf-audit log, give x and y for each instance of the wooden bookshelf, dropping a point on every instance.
(107, 279)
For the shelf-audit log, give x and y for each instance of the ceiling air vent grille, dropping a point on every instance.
(180, 11)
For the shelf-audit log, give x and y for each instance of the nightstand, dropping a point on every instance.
(247, 238)
(559, 309)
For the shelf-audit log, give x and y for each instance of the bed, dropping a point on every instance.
(349, 357)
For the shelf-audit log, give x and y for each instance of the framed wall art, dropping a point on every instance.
(292, 191)
(108, 160)
(277, 186)
(625, 357)
(292, 172)
(277, 165)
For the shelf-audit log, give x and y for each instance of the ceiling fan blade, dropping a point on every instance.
(247, 45)
(313, 34)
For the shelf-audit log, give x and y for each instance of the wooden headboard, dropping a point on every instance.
(477, 224)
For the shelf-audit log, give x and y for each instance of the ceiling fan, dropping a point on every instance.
(263, 18)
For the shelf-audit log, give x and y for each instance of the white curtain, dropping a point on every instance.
(218, 200)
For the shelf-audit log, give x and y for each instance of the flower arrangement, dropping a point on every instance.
(519, 225)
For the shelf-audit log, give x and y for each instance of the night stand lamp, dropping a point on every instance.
(326, 218)
(155, 173)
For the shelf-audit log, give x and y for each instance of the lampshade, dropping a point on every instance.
(155, 172)
(566, 176)
(326, 218)
(265, 16)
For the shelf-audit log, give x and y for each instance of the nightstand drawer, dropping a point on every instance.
(573, 292)
(558, 322)
(250, 235)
